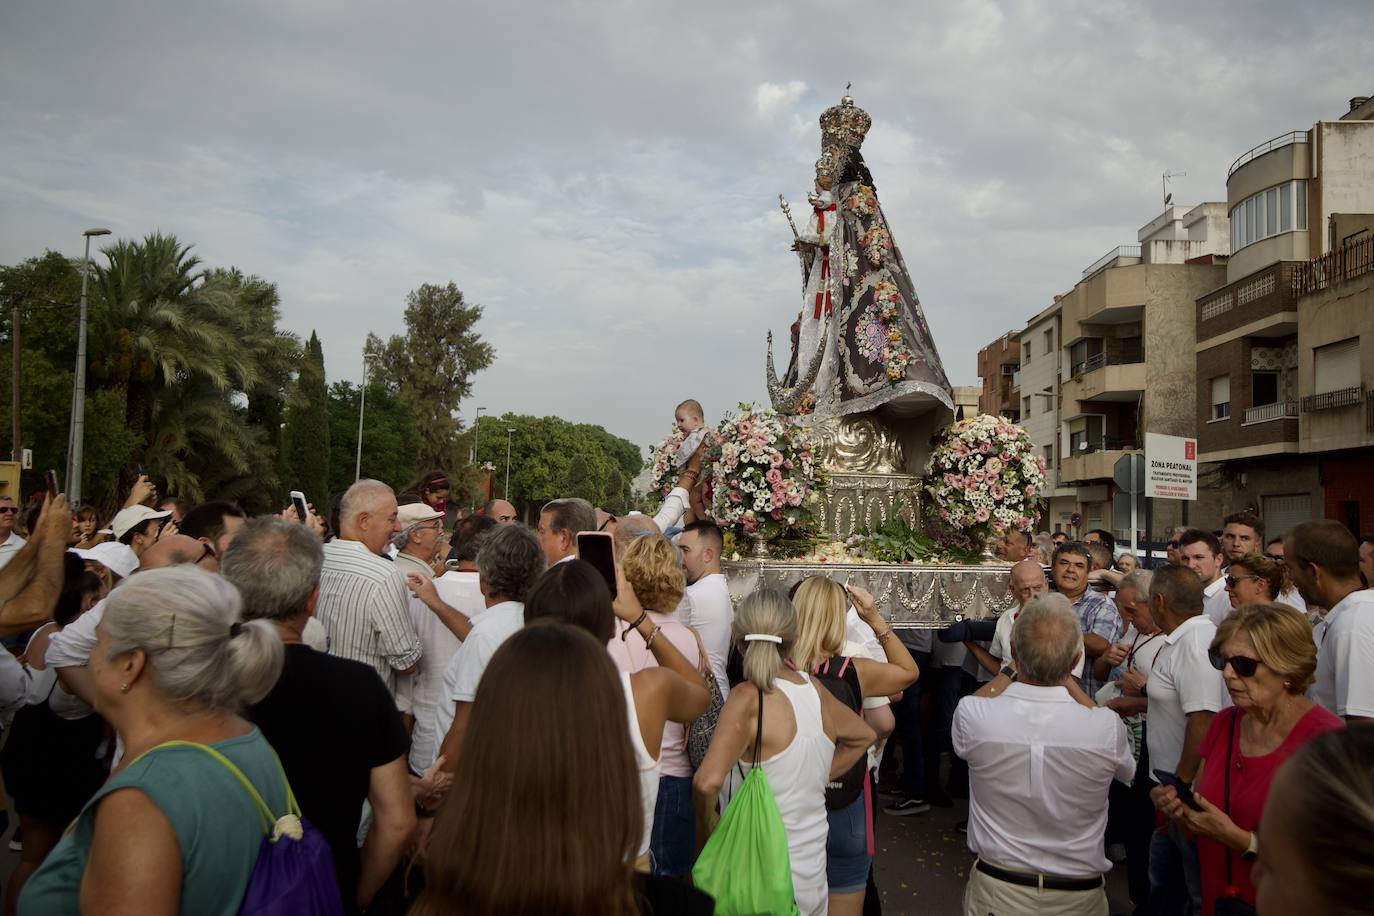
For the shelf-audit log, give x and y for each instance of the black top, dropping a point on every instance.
(659, 896)
(331, 721)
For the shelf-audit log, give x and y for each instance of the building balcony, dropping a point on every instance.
(1333, 400)
(1260, 305)
(1095, 463)
(1266, 413)
(1270, 429)
(1103, 379)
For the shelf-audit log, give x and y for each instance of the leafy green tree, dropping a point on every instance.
(580, 481)
(431, 369)
(309, 428)
(543, 453)
(389, 437)
(617, 492)
(46, 290)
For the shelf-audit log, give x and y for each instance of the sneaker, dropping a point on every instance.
(891, 792)
(907, 806)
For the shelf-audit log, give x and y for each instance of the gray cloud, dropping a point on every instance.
(602, 176)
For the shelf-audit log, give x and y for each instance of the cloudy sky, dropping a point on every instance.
(602, 177)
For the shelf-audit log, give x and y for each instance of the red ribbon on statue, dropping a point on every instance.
(823, 302)
(823, 292)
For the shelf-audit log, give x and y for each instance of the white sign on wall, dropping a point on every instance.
(1170, 467)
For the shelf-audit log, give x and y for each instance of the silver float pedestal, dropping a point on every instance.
(915, 597)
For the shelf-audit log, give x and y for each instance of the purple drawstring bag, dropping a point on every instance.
(294, 874)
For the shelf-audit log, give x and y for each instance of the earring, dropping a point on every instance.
(1287, 685)
(123, 688)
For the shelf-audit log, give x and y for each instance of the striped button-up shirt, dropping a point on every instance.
(363, 606)
(1098, 616)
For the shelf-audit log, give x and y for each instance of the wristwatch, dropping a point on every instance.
(1009, 671)
(1252, 851)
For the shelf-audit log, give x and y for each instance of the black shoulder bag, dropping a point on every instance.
(1231, 906)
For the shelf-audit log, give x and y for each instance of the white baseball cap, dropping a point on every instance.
(132, 517)
(116, 557)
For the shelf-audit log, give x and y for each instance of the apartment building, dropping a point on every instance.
(967, 401)
(1128, 363)
(1038, 386)
(998, 364)
(1285, 349)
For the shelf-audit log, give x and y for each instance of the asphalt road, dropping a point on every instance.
(923, 863)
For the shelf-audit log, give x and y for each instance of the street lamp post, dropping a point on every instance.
(476, 428)
(362, 406)
(506, 492)
(75, 441)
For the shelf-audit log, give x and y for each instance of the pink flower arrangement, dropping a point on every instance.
(984, 477)
(763, 479)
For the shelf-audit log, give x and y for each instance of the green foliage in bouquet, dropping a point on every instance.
(898, 542)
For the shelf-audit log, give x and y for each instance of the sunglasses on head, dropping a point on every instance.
(1240, 664)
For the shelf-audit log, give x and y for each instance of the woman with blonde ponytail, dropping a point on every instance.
(802, 737)
(173, 830)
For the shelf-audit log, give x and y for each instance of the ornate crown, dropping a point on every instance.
(844, 125)
(830, 163)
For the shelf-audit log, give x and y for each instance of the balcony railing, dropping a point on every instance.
(1282, 410)
(1121, 251)
(1352, 259)
(1268, 146)
(1329, 400)
(1087, 447)
(1127, 356)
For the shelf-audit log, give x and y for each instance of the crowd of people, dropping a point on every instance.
(472, 715)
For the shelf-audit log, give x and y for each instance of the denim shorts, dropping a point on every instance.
(846, 849)
(673, 843)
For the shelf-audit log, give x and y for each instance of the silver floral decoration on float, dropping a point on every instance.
(909, 597)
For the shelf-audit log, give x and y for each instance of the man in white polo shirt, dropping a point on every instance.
(9, 541)
(1184, 693)
(1040, 765)
(1324, 561)
(1201, 552)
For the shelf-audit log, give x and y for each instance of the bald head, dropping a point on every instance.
(176, 549)
(1027, 581)
(500, 510)
(630, 528)
(367, 514)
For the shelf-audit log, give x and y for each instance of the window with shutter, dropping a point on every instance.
(1337, 366)
(1221, 397)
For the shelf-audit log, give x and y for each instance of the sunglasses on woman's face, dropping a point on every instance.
(1240, 664)
(1231, 581)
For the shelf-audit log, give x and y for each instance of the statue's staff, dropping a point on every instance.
(797, 244)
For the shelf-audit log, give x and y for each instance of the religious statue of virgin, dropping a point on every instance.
(863, 364)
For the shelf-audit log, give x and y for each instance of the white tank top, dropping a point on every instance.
(648, 767)
(797, 775)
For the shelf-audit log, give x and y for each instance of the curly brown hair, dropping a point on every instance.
(652, 569)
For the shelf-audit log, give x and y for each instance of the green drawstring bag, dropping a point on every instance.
(745, 864)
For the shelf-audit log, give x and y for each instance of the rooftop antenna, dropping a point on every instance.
(1164, 182)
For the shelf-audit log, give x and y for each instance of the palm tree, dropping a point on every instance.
(185, 350)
